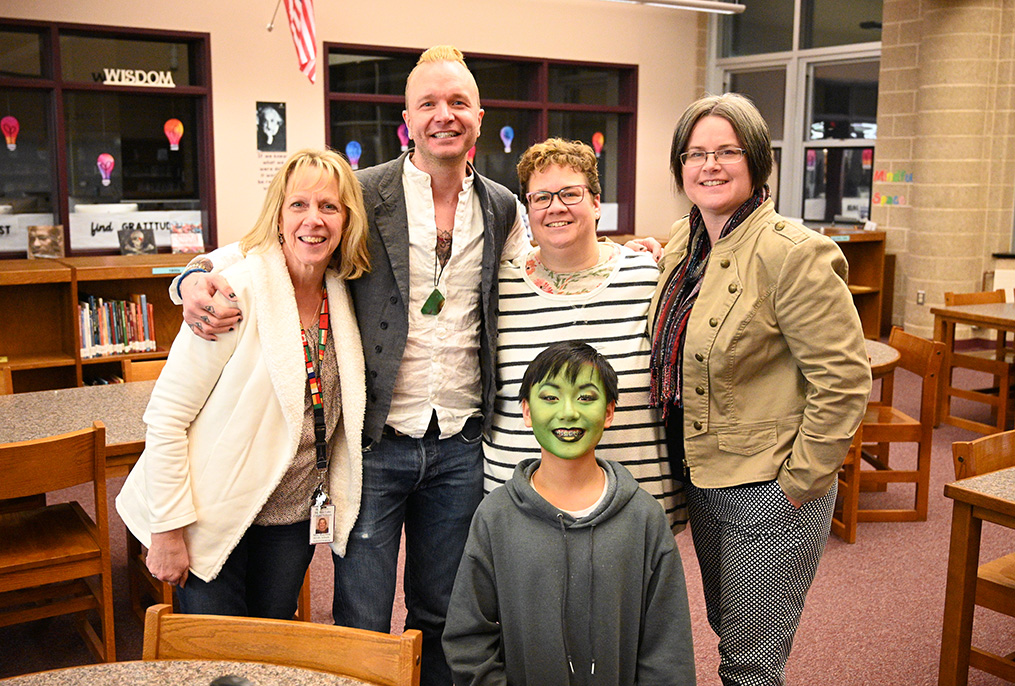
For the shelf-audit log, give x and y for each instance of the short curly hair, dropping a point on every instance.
(560, 152)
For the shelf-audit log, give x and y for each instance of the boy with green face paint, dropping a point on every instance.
(570, 574)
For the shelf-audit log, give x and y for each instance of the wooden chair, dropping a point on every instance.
(369, 656)
(48, 555)
(995, 580)
(28, 502)
(997, 361)
(142, 370)
(883, 424)
(847, 501)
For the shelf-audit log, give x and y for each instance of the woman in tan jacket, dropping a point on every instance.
(759, 365)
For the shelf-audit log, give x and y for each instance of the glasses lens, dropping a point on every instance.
(540, 200)
(572, 195)
(729, 155)
(695, 158)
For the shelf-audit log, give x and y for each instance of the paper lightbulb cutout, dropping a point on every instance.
(507, 134)
(174, 131)
(353, 150)
(471, 154)
(403, 136)
(597, 142)
(105, 163)
(10, 127)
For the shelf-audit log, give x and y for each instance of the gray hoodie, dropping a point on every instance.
(544, 599)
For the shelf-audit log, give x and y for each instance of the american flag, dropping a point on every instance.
(304, 30)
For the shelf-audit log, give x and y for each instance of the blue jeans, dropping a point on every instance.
(261, 577)
(433, 487)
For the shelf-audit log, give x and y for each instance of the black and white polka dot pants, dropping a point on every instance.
(758, 556)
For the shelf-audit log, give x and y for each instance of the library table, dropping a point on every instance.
(28, 416)
(883, 358)
(182, 673)
(996, 316)
(988, 497)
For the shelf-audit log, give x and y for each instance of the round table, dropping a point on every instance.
(883, 358)
(181, 673)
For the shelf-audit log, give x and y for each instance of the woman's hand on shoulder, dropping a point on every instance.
(646, 244)
(168, 559)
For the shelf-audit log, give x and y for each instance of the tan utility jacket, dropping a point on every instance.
(776, 376)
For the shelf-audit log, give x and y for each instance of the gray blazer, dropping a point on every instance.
(381, 296)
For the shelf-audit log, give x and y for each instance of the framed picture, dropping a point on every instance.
(137, 241)
(271, 126)
(45, 241)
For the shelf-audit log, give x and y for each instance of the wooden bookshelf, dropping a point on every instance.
(865, 253)
(38, 308)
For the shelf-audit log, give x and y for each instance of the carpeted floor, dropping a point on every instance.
(873, 616)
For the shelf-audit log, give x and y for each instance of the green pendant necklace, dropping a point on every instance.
(435, 303)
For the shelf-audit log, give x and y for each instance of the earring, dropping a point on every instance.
(280, 241)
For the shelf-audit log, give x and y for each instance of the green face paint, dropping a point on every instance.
(568, 417)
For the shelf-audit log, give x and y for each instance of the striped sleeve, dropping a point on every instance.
(612, 320)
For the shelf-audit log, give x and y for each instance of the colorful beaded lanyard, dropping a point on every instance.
(320, 443)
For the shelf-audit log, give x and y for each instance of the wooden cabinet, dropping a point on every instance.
(39, 319)
(865, 253)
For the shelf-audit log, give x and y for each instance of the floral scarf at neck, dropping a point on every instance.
(678, 297)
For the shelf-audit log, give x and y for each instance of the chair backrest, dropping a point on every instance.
(6, 382)
(49, 464)
(142, 370)
(1004, 281)
(922, 357)
(987, 454)
(366, 655)
(979, 298)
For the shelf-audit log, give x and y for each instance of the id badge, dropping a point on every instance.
(322, 523)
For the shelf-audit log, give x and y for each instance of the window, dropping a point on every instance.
(120, 137)
(526, 100)
(811, 67)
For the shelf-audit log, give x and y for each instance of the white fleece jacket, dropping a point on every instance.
(225, 418)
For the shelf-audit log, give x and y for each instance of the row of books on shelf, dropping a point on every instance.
(116, 327)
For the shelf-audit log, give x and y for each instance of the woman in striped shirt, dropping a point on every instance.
(573, 287)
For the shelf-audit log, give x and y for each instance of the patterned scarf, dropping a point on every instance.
(678, 297)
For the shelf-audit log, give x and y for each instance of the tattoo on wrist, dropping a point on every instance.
(200, 263)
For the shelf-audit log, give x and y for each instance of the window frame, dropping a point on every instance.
(797, 63)
(53, 83)
(542, 106)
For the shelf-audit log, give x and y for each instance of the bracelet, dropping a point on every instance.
(184, 275)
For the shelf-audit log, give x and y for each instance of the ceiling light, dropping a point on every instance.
(716, 6)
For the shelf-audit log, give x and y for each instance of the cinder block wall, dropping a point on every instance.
(946, 119)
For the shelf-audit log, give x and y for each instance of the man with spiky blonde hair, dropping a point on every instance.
(427, 313)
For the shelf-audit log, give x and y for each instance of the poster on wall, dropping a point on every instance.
(271, 127)
(102, 230)
(14, 228)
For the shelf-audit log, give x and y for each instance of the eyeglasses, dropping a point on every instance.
(696, 158)
(569, 195)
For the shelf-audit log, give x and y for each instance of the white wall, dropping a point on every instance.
(249, 64)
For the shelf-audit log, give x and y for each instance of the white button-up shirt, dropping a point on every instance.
(440, 365)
